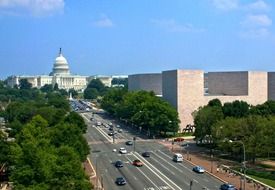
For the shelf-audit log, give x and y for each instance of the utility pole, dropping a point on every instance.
(191, 184)
(134, 139)
(113, 137)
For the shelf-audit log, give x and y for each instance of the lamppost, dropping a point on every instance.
(244, 167)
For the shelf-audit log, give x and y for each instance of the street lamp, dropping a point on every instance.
(244, 167)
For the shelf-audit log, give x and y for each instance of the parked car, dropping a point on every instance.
(227, 186)
(111, 134)
(146, 154)
(118, 126)
(129, 143)
(123, 150)
(179, 139)
(137, 163)
(119, 164)
(199, 169)
(120, 130)
(120, 181)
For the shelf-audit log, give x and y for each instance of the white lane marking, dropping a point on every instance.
(168, 162)
(144, 174)
(151, 167)
(195, 181)
(164, 166)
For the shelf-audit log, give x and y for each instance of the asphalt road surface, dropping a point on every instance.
(159, 172)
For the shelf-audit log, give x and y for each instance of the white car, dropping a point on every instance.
(123, 150)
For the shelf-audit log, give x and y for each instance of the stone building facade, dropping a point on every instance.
(187, 90)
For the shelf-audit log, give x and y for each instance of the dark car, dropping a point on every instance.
(111, 134)
(129, 143)
(119, 164)
(146, 154)
(120, 181)
(227, 186)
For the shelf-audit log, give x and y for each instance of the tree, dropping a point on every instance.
(73, 92)
(55, 87)
(215, 102)
(236, 109)
(24, 84)
(90, 93)
(96, 84)
(204, 120)
(47, 88)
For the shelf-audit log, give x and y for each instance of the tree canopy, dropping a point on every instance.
(142, 109)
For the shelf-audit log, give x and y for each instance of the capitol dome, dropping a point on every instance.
(60, 66)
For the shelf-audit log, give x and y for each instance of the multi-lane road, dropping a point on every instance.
(159, 171)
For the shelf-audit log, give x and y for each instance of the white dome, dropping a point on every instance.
(60, 66)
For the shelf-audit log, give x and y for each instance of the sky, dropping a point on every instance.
(122, 37)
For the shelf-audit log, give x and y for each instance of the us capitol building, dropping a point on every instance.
(60, 75)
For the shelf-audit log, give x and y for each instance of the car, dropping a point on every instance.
(119, 164)
(110, 124)
(227, 186)
(146, 154)
(111, 129)
(179, 139)
(118, 126)
(178, 157)
(129, 143)
(98, 123)
(111, 134)
(199, 169)
(120, 130)
(137, 163)
(123, 150)
(120, 181)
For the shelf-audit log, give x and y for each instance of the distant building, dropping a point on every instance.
(60, 75)
(107, 80)
(187, 90)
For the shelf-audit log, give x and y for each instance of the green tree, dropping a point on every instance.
(96, 84)
(215, 102)
(47, 88)
(236, 109)
(90, 93)
(204, 120)
(24, 84)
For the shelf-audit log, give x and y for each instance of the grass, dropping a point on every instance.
(263, 180)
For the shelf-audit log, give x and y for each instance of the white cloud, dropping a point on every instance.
(172, 26)
(255, 33)
(259, 5)
(257, 20)
(103, 22)
(35, 7)
(226, 4)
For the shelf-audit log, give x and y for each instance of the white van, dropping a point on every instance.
(177, 157)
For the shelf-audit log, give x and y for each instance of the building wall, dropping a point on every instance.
(271, 85)
(148, 82)
(228, 83)
(169, 87)
(190, 94)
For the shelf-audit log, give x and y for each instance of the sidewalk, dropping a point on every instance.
(205, 161)
(91, 173)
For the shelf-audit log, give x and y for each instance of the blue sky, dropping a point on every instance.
(112, 37)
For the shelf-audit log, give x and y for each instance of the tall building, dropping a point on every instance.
(187, 90)
(60, 75)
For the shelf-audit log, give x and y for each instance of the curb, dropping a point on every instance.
(208, 172)
(89, 161)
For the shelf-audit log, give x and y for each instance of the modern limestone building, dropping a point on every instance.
(187, 90)
(60, 75)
